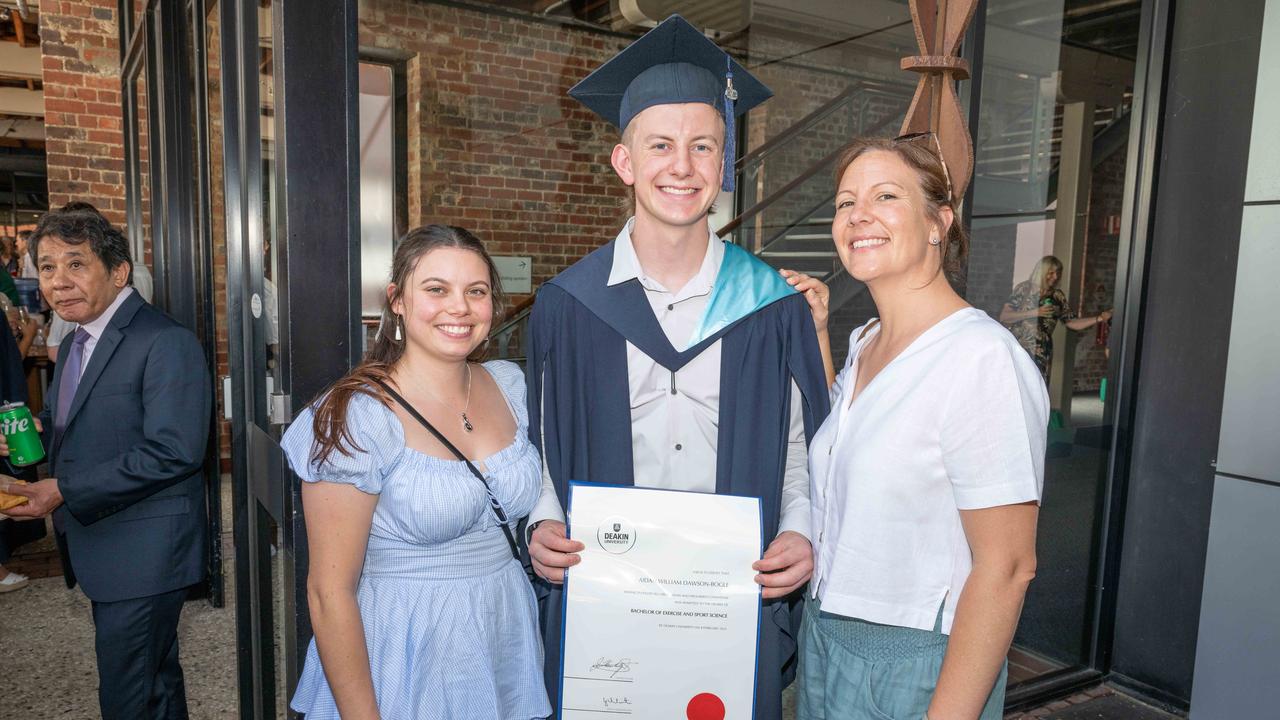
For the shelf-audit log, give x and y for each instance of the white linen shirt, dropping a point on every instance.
(675, 416)
(956, 422)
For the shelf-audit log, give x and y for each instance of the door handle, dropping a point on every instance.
(278, 408)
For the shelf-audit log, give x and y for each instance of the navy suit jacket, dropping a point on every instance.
(129, 462)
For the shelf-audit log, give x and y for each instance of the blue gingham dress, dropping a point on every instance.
(449, 617)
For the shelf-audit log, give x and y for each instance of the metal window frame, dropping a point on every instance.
(201, 228)
(155, 49)
(327, 239)
(1137, 222)
(398, 61)
(248, 672)
(1142, 166)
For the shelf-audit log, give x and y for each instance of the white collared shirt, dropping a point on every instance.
(957, 421)
(96, 326)
(675, 416)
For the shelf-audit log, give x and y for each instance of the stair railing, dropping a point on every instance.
(826, 161)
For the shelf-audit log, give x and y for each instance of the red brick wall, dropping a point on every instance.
(1106, 200)
(218, 226)
(495, 144)
(83, 128)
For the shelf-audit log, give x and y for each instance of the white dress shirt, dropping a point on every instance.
(675, 416)
(955, 422)
(96, 327)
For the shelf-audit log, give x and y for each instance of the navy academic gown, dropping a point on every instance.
(579, 397)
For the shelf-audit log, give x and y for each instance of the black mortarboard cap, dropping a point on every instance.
(672, 64)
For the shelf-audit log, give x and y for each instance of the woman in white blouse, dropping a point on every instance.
(926, 477)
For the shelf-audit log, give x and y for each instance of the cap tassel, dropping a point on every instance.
(730, 132)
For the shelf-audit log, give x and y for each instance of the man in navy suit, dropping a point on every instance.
(125, 425)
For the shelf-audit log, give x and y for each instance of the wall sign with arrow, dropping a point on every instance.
(516, 273)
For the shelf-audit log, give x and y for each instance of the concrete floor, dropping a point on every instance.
(46, 645)
(48, 663)
(46, 656)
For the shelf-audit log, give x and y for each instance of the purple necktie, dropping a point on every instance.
(69, 382)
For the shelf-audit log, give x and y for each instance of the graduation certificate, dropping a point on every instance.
(662, 614)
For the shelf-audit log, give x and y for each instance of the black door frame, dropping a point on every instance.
(317, 250)
(1137, 219)
(156, 51)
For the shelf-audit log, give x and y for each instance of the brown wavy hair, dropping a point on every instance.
(329, 426)
(933, 181)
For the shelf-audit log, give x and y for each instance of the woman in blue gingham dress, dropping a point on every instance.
(447, 614)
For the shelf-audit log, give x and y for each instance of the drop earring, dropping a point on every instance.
(399, 336)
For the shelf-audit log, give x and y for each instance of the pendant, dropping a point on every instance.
(466, 424)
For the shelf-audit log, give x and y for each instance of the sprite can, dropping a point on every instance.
(19, 430)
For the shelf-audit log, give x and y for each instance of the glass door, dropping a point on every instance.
(1047, 259)
(272, 174)
(171, 254)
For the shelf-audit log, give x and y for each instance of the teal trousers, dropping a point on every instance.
(856, 670)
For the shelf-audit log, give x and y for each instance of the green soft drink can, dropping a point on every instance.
(19, 430)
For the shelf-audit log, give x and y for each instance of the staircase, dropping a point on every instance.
(787, 196)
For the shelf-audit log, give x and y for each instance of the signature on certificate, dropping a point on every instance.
(612, 702)
(613, 667)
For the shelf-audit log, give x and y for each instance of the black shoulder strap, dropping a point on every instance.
(493, 501)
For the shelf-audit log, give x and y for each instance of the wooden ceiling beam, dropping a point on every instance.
(21, 101)
(21, 30)
(20, 62)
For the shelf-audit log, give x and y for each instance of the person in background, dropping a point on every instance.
(24, 326)
(26, 265)
(8, 256)
(54, 334)
(927, 475)
(13, 533)
(1035, 308)
(419, 602)
(8, 288)
(139, 278)
(125, 425)
(140, 275)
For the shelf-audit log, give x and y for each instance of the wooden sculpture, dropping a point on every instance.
(940, 26)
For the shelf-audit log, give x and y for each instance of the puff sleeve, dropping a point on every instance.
(510, 379)
(376, 432)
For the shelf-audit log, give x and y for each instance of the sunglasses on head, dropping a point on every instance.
(917, 136)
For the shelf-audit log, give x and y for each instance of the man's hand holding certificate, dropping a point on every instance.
(662, 614)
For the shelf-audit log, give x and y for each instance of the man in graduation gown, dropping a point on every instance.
(668, 358)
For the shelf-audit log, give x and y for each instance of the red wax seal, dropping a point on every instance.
(705, 706)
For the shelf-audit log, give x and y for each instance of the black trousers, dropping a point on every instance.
(139, 677)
